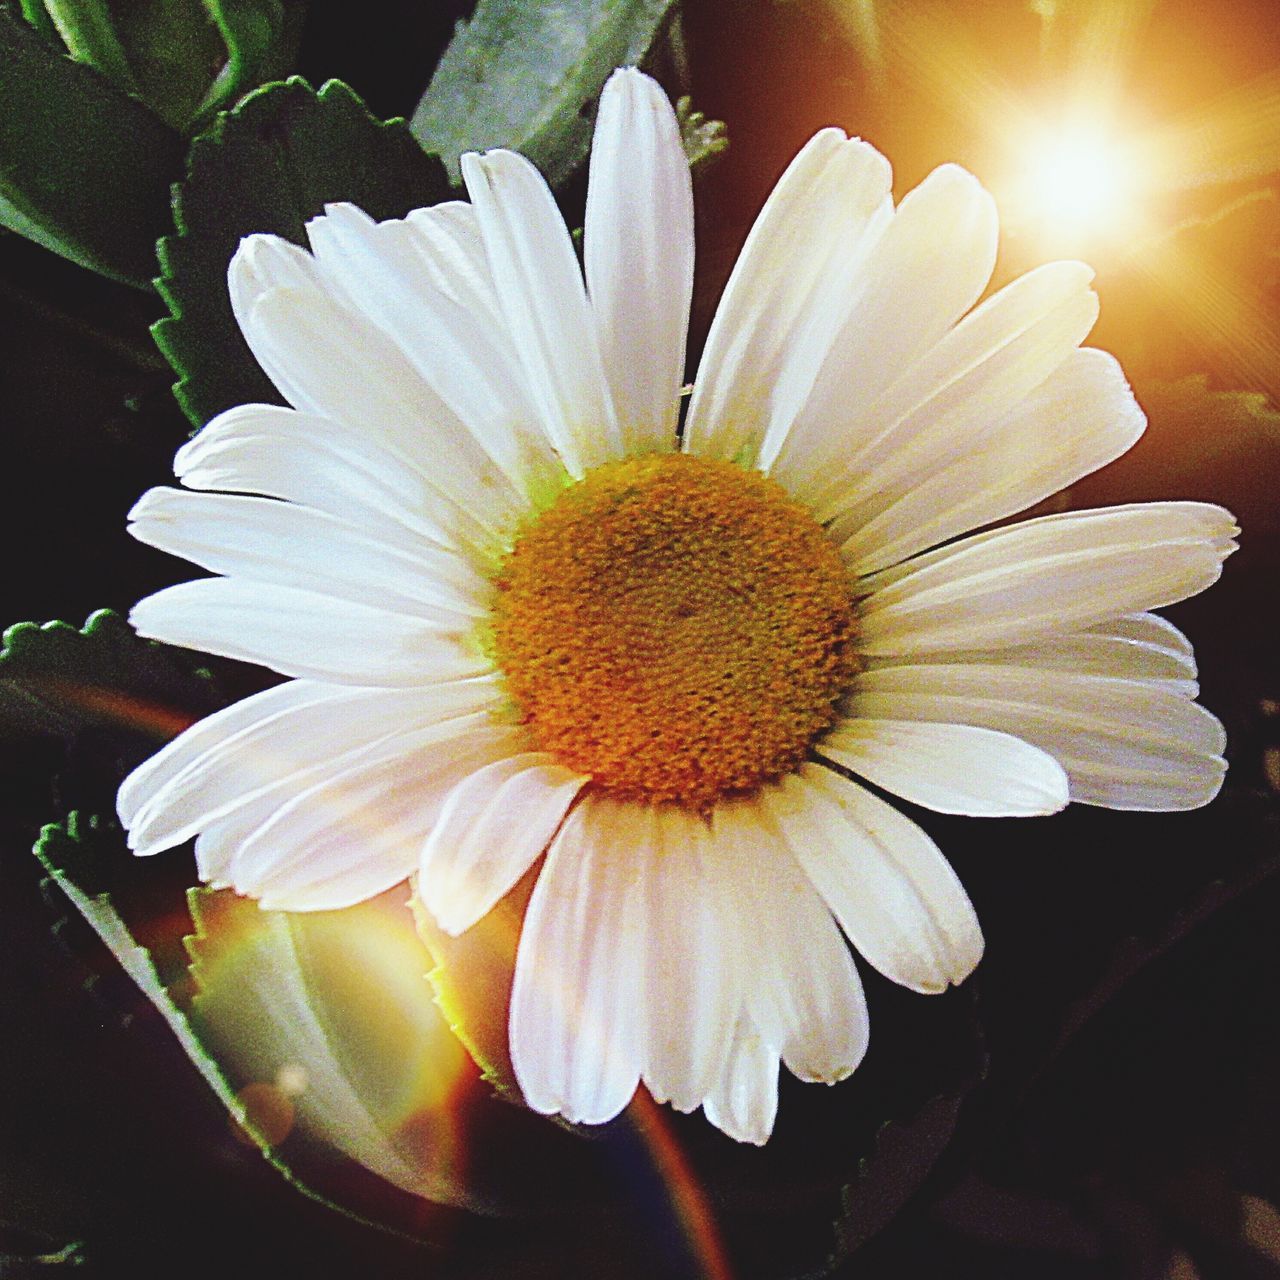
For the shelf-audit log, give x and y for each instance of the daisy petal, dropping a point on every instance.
(470, 365)
(788, 296)
(475, 852)
(964, 383)
(950, 768)
(544, 303)
(1081, 417)
(745, 1102)
(365, 823)
(289, 745)
(262, 540)
(1138, 647)
(894, 894)
(209, 734)
(1043, 577)
(958, 399)
(939, 251)
(577, 1005)
(330, 361)
(638, 256)
(806, 1001)
(303, 633)
(1126, 744)
(281, 453)
(448, 237)
(217, 845)
(695, 960)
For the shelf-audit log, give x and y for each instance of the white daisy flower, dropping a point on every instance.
(526, 614)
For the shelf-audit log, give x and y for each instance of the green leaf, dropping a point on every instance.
(261, 38)
(471, 975)
(268, 166)
(330, 1009)
(523, 76)
(85, 169)
(315, 1031)
(56, 680)
(69, 852)
(88, 32)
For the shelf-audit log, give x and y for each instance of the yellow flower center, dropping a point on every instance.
(678, 628)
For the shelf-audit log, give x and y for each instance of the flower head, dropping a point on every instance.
(526, 613)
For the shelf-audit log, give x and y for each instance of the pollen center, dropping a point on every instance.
(676, 627)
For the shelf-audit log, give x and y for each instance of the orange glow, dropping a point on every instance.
(154, 718)
(688, 1200)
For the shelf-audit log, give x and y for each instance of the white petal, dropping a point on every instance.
(158, 772)
(805, 996)
(696, 955)
(638, 256)
(490, 830)
(950, 768)
(1126, 744)
(1055, 574)
(788, 296)
(264, 540)
(281, 453)
(1138, 647)
(958, 402)
(289, 745)
(929, 267)
(1080, 418)
(544, 303)
(366, 823)
(1150, 629)
(302, 633)
(966, 381)
(330, 361)
(220, 846)
(577, 1001)
(217, 845)
(745, 1102)
(892, 891)
(468, 363)
(448, 237)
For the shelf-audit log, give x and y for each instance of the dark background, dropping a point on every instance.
(1099, 1101)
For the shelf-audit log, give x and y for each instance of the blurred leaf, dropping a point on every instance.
(324, 1017)
(56, 680)
(267, 166)
(905, 1152)
(85, 169)
(174, 54)
(524, 76)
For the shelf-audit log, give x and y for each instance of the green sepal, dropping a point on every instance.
(268, 166)
(525, 76)
(85, 169)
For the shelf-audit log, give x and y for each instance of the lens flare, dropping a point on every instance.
(1075, 187)
(1079, 180)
